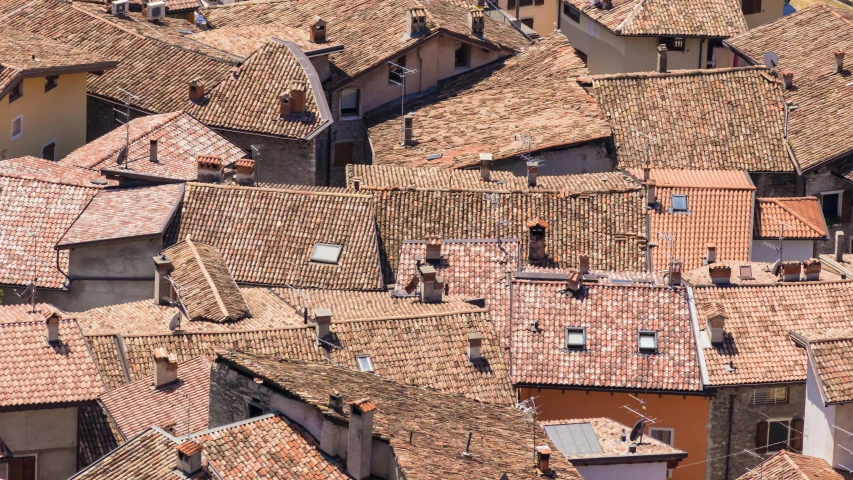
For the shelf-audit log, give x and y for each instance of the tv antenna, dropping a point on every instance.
(129, 98)
(669, 240)
(398, 77)
(637, 430)
(529, 410)
(189, 408)
(30, 294)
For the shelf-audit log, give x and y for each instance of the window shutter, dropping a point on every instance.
(796, 435)
(510, 4)
(846, 206)
(761, 436)
(539, 2)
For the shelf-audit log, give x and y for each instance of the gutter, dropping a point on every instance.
(694, 325)
(626, 459)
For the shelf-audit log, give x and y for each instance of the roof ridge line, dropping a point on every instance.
(207, 277)
(53, 181)
(92, 15)
(629, 18)
(796, 215)
(278, 190)
(227, 426)
(169, 117)
(208, 332)
(677, 73)
(708, 187)
(415, 317)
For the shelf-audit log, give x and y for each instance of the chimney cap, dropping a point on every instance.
(51, 316)
(537, 222)
(475, 336)
(364, 405)
(189, 448)
(486, 157)
(323, 312)
(426, 269)
(317, 20)
(161, 354)
(209, 161)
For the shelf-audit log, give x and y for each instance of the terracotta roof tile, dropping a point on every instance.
(760, 273)
(484, 110)
(683, 18)
(829, 361)
(97, 433)
(354, 305)
(794, 217)
(243, 40)
(608, 432)
(730, 119)
(787, 465)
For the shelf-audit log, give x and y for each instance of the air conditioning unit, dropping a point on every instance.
(120, 7)
(155, 10)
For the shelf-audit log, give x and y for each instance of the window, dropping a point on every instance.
(461, 54)
(365, 364)
(572, 12)
(349, 102)
(48, 152)
(528, 22)
(663, 435)
(326, 253)
(647, 341)
(679, 203)
(17, 126)
(525, 3)
(777, 433)
(17, 92)
(750, 6)
(343, 154)
(21, 468)
(394, 71)
(50, 83)
(771, 395)
(576, 338)
(673, 44)
(831, 205)
(255, 409)
(746, 272)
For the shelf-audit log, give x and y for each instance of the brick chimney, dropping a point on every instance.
(651, 198)
(475, 341)
(165, 367)
(196, 90)
(812, 267)
(573, 280)
(536, 244)
(839, 60)
(323, 317)
(476, 22)
(209, 168)
(661, 58)
(432, 285)
(532, 172)
(245, 172)
(486, 166)
(788, 79)
(51, 323)
(152, 152)
(791, 271)
(710, 253)
(674, 278)
(415, 22)
(189, 458)
(720, 274)
(318, 30)
(583, 260)
(163, 294)
(714, 324)
(433, 248)
(285, 104)
(360, 438)
(839, 246)
(297, 97)
(543, 459)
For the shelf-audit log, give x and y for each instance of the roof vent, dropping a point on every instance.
(661, 58)
(486, 166)
(189, 457)
(416, 22)
(720, 274)
(812, 267)
(475, 342)
(791, 271)
(318, 30)
(583, 260)
(119, 7)
(51, 322)
(155, 11)
(323, 317)
(476, 22)
(839, 60)
(651, 198)
(839, 246)
(165, 367)
(408, 125)
(196, 90)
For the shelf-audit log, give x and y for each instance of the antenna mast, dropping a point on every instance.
(129, 97)
(401, 73)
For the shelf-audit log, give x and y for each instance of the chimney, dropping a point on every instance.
(245, 172)
(416, 22)
(720, 274)
(152, 155)
(651, 199)
(165, 367)
(606, 4)
(336, 401)
(791, 271)
(532, 172)
(661, 58)
(536, 244)
(162, 286)
(632, 448)
(674, 273)
(408, 121)
(323, 317)
(715, 322)
(196, 90)
(486, 166)
(356, 183)
(476, 22)
(475, 341)
(788, 79)
(583, 260)
(647, 169)
(839, 60)
(189, 458)
(812, 267)
(209, 168)
(573, 280)
(297, 97)
(543, 459)
(432, 285)
(839, 246)
(285, 103)
(711, 253)
(318, 30)
(360, 438)
(433, 248)
(51, 322)
(235, 73)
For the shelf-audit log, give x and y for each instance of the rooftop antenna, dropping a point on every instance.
(759, 458)
(129, 97)
(467, 453)
(189, 405)
(401, 73)
(30, 294)
(637, 430)
(529, 410)
(781, 246)
(669, 240)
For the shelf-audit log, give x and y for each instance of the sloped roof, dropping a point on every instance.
(728, 119)
(760, 272)
(483, 111)
(353, 305)
(828, 352)
(613, 315)
(680, 18)
(793, 217)
(243, 40)
(180, 140)
(787, 465)
(608, 432)
(97, 433)
(816, 136)
(441, 421)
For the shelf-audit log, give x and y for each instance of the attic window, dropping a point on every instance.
(647, 341)
(575, 338)
(365, 364)
(326, 253)
(673, 43)
(746, 272)
(679, 203)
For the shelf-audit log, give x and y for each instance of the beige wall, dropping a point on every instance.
(50, 434)
(57, 115)
(544, 16)
(770, 10)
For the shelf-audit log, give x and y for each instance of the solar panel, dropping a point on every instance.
(574, 439)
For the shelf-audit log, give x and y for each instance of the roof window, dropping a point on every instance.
(365, 364)
(576, 338)
(679, 203)
(746, 272)
(326, 253)
(647, 341)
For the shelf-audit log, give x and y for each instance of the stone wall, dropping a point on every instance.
(101, 117)
(734, 402)
(777, 184)
(291, 162)
(231, 395)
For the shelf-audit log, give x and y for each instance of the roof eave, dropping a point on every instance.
(628, 458)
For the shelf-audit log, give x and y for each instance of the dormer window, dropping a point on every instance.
(365, 364)
(679, 203)
(576, 338)
(326, 253)
(647, 341)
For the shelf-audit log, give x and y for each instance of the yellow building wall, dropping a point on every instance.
(544, 16)
(687, 414)
(58, 115)
(770, 10)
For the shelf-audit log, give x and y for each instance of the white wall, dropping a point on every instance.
(49, 433)
(843, 420)
(818, 423)
(633, 471)
(795, 250)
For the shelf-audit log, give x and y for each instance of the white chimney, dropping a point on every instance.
(532, 172)
(433, 248)
(791, 271)
(715, 322)
(165, 367)
(162, 286)
(432, 285)
(475, 341)
(51, 323)
(661, 58)
(360, 438)
(323, 317)
(486, 166)
(189, 458)
(839, 246)
(839, 60)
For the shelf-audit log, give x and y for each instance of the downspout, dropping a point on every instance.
(701, 57)
(729, 442)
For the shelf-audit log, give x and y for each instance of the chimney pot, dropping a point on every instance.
(675, 273)
(196, 90)
(839, 60)
(408, 122)
(336, 401)
(584, 264)
(661, 58)
(711, 255)
(543, 459)
(162, 287)
(651, 198)
(152, 152)
(433, 248)
(839, 246)
(812, 267)
(165, 367)
(323, 317)
(720, 274)
(791, 271)
(245, 172)
(416, 22)
(297, 93)
(476, 22)
(475, 341)
(189, 457)
(51, 323)
(360, 438)
(318, 30)
(788, 79)
(536, 244)
(486, 166)
(532, 173)
(209, 168)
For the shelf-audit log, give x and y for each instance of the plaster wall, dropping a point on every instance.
(51, 434)
(798, 250)
(770, 10)
(544, 16)
(632, 471)
(819, 419)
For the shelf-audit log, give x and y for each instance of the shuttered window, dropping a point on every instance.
(22, 468)
(751, 6)
(771, 395)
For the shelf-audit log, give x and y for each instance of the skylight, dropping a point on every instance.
(648, 341)
(679, 203)
(326, 253)
(746, 272)
(365, 364)
(575, 337)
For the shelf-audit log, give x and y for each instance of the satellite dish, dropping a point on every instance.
(775, 268)
(637, 430)
(771, 60)
(122, 156)
(175, 322)
(593, 2)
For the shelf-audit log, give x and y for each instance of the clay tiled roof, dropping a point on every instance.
(794, 217)
(178, 5)
(729, 119)
(36, 373)
(368, 43)
(439, 422)
(243, 40)
(681, 18)
(756, 347)
(39, 201)
(613, 316)
(821, 97)
(718, 214)
(98, 433)
(352, 305)
(124, 214)
(830, 362)
(204, 285)
(180, 139)
(483, 111)
(608, 432)
(266, 236)
(760, 273)
(138, 405)
(787, 465)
